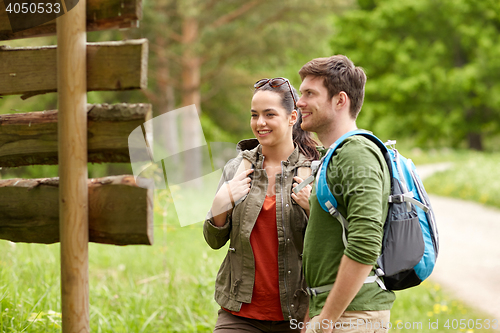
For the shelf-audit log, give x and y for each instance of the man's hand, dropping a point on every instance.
(350, 279)
(319, 325)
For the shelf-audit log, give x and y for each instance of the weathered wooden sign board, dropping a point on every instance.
(31, 138)
(72, 209)
(110, 66)
(120, 212)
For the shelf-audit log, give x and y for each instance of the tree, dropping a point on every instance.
(433, 67)
(209, 53)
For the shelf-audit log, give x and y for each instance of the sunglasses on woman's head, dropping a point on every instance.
(275, 83)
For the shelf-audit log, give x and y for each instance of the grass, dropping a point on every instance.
(420, 307)
(167, 287)
(474, 176)
(431, 156)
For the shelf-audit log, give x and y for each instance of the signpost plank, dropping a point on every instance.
(31, 138)
(120, 65)
(120, 212)
(101, 15)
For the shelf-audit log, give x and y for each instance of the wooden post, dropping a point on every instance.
(73, 194)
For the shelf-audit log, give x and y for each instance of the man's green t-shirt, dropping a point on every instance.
(359, 179)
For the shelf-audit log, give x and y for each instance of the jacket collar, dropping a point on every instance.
(252, 151)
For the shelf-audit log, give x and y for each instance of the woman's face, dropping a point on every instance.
(270, 123)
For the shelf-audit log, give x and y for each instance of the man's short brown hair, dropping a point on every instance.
(339, 74)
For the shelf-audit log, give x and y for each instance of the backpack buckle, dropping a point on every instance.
(331, 209)
(396, 198)
(311, 291)
(391, 144)
(315, 165)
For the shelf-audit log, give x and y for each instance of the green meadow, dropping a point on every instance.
(474, 176)
(167, 287)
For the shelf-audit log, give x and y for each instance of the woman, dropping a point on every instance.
(260, 286)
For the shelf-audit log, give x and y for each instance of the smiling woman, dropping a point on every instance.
(260, 286)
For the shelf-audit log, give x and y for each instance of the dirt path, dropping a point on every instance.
(469, 257)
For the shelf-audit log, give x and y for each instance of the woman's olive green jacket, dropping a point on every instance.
(235, 280)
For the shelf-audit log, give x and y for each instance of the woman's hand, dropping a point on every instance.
(302, 198)
(306, 321)
(228, 194)
(239, 186)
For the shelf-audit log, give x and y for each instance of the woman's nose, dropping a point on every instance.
(261, 121)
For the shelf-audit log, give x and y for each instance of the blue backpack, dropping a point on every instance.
(411, 243)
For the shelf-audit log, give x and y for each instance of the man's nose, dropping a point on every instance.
(300, 103)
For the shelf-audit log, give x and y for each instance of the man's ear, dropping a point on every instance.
(293, 117)
(342, 100)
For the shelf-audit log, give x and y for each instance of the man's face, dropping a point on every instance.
(316, 106)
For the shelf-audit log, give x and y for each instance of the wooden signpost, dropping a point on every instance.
(72, 209)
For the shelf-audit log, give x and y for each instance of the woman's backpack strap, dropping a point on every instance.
(244, 165)
(303, 172)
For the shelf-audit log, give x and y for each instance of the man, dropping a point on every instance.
(332, 95)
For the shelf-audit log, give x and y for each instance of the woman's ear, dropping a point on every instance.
(293, 117)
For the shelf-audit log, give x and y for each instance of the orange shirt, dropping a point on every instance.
(265, 304)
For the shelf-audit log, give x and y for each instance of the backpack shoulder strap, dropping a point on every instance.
(323, 191)
(325, 197)
(303, 172)
(244, 165)
(306, 173)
